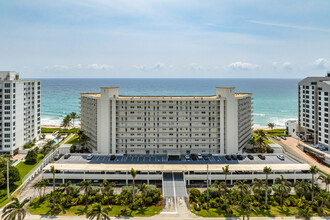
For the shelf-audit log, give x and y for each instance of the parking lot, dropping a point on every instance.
(162, 159)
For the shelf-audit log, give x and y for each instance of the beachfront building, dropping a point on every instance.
(313, 93)
(19, 111)
(170, 125)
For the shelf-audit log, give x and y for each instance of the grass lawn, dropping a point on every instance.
(51, 130)
(44, 209)
(26, 168)
(73, 140)
(275, 132)
(274, 211)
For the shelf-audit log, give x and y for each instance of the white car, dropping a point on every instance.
(187, 157)
(280, 156)
(89, 156)
(199, 157)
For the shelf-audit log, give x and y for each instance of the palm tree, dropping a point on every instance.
(38, 185)
(44, 185)
(282, 187)
(267, 171)
(260, 142)
(225, 171)
(67, 188)
(242, 187)
(66, 121)
(143, 189)
(73, 116)
(86, 187)
(133, 174)
(302, 188)
(257, 185)
(271, 125)
(313, 170)
(245, 205)
(326, 180)
(53, 171)
(15, 210)
(97, 212)
(217, 184)
(261, 133)
(106, 188)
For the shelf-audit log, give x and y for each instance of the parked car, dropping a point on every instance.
(284, 138)
(277, 138)
(187, 157)
(89, 156)
(112, 157)
(250, 156)
(57, 157)
(262, 157)
(280, 156)
(240, 157)
(228, 157)
(234, 156)
(205, 157)
(199, 156)
(193, 157)
(66, 156)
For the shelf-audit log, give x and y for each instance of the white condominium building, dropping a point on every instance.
(19, 111)
(172, 125)
(313, 93)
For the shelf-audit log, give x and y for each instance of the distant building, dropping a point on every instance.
(172, 125)
(19, 111)
(291, 128)
(313, 118)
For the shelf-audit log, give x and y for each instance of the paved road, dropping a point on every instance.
(291, 146)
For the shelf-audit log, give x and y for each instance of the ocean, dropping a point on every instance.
(275, 100)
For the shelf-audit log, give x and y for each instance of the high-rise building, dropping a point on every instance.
(19, 111)
(313, 118)
(172, 125)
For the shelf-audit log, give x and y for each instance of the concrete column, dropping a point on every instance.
(126, 182)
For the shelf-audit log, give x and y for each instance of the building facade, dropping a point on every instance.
(20, 102)
(172, 125)
(313, 118)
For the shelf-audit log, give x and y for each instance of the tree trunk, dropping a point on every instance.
(312, 187)
(266, 191)
(259, 194)
(133, 191)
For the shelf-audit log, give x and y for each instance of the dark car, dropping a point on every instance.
(205, 157)
(228, 157)
(57, 157)
(250, 156)
(240, 157)
(284, 138)
(193, 157)
(234, 156)
(262, 157)
(112, 157)
(66, 156)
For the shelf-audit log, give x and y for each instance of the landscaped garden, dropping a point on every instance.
(260, 199)
(68, 199)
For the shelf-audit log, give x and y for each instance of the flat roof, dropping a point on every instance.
(98, 95)
(161, 163)
(174, 167)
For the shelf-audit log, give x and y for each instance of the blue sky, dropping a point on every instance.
(173, 38)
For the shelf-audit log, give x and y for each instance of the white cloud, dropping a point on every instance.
(243, 66)
(94, 66)
(285, 65)
(156, 66)
(322, 63)
(99, 66)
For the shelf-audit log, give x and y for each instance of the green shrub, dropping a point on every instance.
(197, 207)
(195, 193)
(149, 200)
(31, 157)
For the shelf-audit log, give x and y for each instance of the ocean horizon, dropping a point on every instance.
(275, 100)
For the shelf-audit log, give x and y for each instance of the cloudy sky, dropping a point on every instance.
(166, 39)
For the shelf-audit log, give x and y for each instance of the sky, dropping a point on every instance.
(165, 39)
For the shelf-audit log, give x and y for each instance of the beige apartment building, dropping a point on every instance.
(170, 125)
